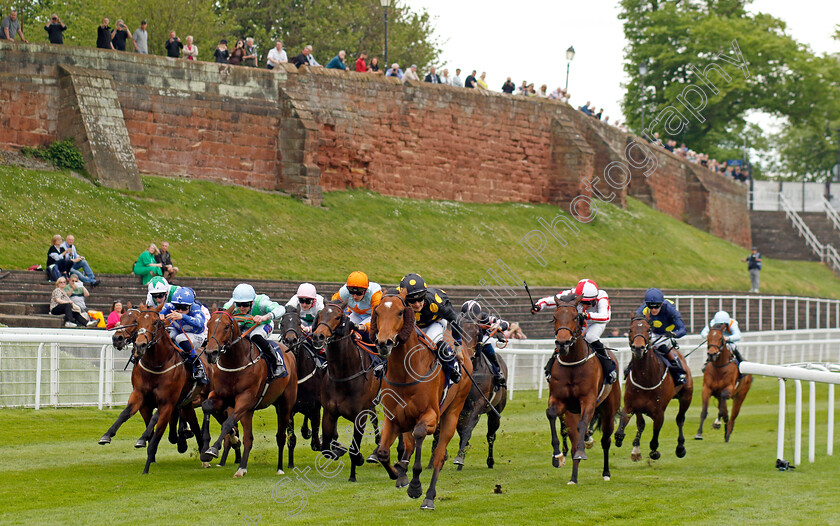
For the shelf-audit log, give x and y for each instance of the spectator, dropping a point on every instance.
(119, 36)
(669, 146)
(190, 51)
(276, 56)
(456, 78)
(337, 62)
(55, 29)
(599, 114)
(585, 108)
(237, 54)
(374, 65)
(508, 87)
(165, 259)
(395, 71)
(141, 39)
(411, 74)
(656, 140)
(11, 27)
(57, 264)
(445, 78)
(250, 58)
(753, 262)
(523, 88)
(80, 264)
(310, 58)
(60, 304)
(432, 76)
(302, 59)
(173, 46)
(103, 35)
(556, 94)
(222, 54)
(361, 67)
(543, 92)
(531, 91)
(146, 267)
(77, 292)
(471, 82)
(482, 82)
(117, 310)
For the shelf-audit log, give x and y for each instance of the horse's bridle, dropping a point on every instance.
(157, 326)
(222, 347)
(575, 334)
(645, 336)
(713, 356)
(344, 320)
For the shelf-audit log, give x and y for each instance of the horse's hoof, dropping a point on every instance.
(428, 504)
(635, 457)
(571, 483)
(558, 461)
(306, 434)
(490, 463)
(619, 440)
(680, 451)
(240, 473)
(589, 442)
(234, 440)
(205, 465)
(402, 481)
(351, 479)
(281, 472)
(716, 425)
(182, 446)
(580, 455)
(315, 445)
(460, 467)
(188, 433)
(373, 459)
(655, 455)
(698, 436)
(607, 478)
(459, 460)
(140, 444)
(415, 489)
(104, 440)
(726, 439)
(212, 452)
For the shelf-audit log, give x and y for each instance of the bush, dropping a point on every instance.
(62, 154)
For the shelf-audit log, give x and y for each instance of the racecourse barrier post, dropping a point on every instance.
(38, 376)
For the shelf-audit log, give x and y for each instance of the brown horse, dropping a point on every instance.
(649, 389)
(349, 388)
(240, 381)
(126, 331)
(159, 381)
(414, 401)
(720, 379)
(577, 391)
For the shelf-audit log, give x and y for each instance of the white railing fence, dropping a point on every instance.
(828, 256)
(831, 213)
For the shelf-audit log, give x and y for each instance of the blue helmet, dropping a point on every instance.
(654, 295)
(183, 297)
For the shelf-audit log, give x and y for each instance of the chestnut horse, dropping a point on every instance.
(240, 381)
(159, 381)
(649, 389)
(349, 388)
(577, 392)
(413, 400)
(309, 382)
(720, 379)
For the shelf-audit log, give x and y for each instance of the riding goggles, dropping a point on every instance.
(306, 301)
(416, 299)
(159, 295)
(654, 305)
(181, 306)
(243, 304)
(357, 291)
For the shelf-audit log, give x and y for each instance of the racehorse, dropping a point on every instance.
(415, 401)
(649, 389)
(159, 381)
(577, 391)
(483, 398)
(241, 381)
(124, 334)
(309, 383)
(349, 387)
(721, 380)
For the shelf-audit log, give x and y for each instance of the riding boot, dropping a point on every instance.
(678, 372)
(320, 360)
(606, 362)
(198, 373)
(276, 367)
(737, 354)
(379, 367)
(450, 362)
(548, 367)
(627, 370)
(498, 378)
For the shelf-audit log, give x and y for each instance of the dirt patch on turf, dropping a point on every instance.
(15, 158)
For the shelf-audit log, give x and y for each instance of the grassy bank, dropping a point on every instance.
(229, 231)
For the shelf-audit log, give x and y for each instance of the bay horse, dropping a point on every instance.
(240, 381)
(159, 381)
(349, 386)
(415, 401)
(649, 389)
(721, 380)
(309, 382)
(482, 391)
(577, 392)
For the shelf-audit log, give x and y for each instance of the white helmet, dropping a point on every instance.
(721, 318)
(588, 289)
(306, 290)
(244, 293)
(158, 284)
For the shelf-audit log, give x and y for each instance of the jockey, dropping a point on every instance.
(471, 310)
(666, 326)
(361, 295)
(433, 312)
(187, 328)
(264, 312)
(595, 306)
(731, 332)
(308, 302)
(160, 291)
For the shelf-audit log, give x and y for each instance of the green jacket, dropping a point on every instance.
(262, 306)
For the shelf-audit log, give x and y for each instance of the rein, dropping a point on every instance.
(632, 381)
(423, 378)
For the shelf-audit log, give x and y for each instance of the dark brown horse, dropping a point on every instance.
(481, 392)
(349, 387)
(413, 400)
(576, 388)
(240, 381)
(309, 381)
(649, 389)
(720, 379)
(158, 380)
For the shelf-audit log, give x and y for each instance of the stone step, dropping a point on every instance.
(46, 321)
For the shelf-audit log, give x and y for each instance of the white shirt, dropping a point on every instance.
(456, 81)
(307, 316)
(410, 75)
(277, 56)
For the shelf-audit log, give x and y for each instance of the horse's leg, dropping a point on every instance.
(292, 439)
(466, 430)
(383, 452)
(191, 419)
(164, 417)
(148, 432)
(330, 439)
(435, 440)
(555, 408)
(722, 399)
(211, 406)
(707, 393)
(685, 402)
(737, 400)
(658, 418)
(636, 454)
(284, 422)
(406, 440)
(493, 423)
(247, 439)
(426, 424)
(314, 418)
(174, 424)
(135, 401)
(305, 432)
(626, 413)
(356, 458)
(377, 436)
(577, 429)
(448, 423)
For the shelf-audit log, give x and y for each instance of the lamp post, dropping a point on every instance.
(570, 55)
(386, 4)
(643, 69)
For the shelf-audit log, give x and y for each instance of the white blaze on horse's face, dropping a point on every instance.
(388, 304)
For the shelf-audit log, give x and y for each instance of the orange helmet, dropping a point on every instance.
(358, 279)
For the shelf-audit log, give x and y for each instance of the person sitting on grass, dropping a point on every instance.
(60, 303)
(146, 267)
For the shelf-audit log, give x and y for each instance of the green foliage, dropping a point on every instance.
(62, 154)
